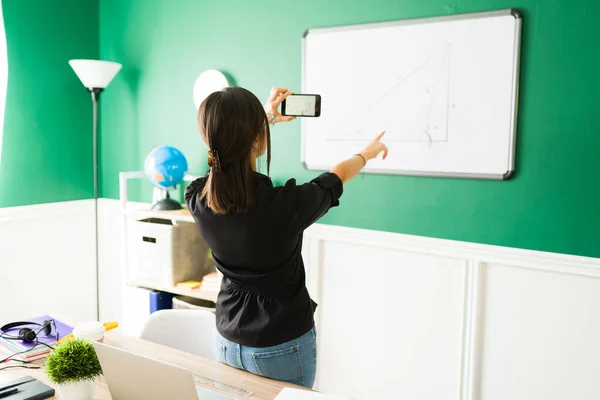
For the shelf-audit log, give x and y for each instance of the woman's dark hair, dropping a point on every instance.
(232, 123)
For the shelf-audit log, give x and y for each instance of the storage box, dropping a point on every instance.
(160, 300)
(166, 253)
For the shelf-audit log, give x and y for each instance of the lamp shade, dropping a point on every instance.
(95, 73)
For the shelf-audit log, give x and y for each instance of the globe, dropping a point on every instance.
(165, 167)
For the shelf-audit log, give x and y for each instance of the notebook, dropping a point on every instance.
(14, 346)
(28, 388)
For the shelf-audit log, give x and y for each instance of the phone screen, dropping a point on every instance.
(301, 105)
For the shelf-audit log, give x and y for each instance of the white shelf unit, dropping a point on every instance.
(134, 210)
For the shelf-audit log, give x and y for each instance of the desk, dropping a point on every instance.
(262, 388)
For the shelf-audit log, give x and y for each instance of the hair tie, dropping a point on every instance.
(214, 161)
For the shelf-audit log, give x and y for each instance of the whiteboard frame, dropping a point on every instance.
(514, 102)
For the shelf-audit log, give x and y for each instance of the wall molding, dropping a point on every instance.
(45, 210)
(484, 253)
(472, 330)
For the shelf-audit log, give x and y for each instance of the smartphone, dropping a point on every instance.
(302, 105)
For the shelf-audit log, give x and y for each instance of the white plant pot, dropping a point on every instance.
(82, 390)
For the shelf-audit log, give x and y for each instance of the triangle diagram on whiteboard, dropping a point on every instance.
(413, 109)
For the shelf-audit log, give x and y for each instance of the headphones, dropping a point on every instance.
(27, 335)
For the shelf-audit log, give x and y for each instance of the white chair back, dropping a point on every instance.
(192, 331)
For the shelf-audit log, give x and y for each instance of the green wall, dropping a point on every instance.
(47, 145)
(553, 202)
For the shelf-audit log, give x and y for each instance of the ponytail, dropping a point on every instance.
(229, 190)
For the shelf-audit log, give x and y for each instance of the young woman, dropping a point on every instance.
(264, 313)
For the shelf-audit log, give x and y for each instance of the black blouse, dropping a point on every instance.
(263, 300)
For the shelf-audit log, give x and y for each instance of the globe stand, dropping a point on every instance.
(166, 204)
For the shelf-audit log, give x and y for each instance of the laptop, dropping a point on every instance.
(130, 376)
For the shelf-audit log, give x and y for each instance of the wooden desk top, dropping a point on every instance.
(262, 388)
(203, 294)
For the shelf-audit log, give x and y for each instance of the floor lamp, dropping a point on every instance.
(95, 76)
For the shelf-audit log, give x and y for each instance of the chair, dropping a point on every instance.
(192, 331)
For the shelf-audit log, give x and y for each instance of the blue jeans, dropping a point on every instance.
(294, 361)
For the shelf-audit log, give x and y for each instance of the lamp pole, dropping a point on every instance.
(95, 75)
(95, 95)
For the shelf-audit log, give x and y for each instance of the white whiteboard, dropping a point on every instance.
(444, 90)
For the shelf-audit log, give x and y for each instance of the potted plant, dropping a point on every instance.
(74, 367)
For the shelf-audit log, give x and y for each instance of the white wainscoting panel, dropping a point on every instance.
(541, 335)
(407, 317)
(135, 309)
(410, 317)
(110, 245)
(389, 320)
(129, 306)
(47, 261)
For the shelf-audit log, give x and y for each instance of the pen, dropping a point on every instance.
(6, 393)
(15, 385)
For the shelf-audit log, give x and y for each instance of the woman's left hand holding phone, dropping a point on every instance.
(276, 97)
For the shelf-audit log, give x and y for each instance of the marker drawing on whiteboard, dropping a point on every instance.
(415, 109)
